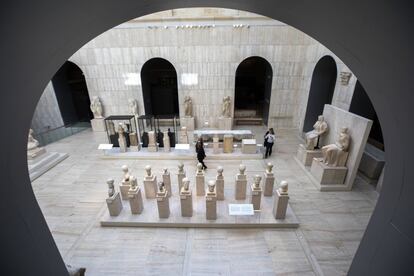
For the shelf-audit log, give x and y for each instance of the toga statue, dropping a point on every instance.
(133, 107)
(225, 112)
(335, 155)
(312, 137)
(96, 107)
(32, 143)
(188, 106)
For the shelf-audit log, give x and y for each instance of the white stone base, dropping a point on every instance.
(324, 174)
(44, 162)
(306, 156)
(134, 148)
(98, 124)
(249, 146)
(187, 122)
(225, 123)
(152, 148)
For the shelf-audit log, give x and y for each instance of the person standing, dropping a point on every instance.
(200, 152)
(269, 141)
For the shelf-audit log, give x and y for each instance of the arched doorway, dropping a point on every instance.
(253, 90)
(159, 87)
(72, 94)
(362, 106)
(321, 90)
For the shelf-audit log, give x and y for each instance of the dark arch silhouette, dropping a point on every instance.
(321, 90)
(387, 247)
(253, 89)
(362, 106)
(72, 94)
(159, 87)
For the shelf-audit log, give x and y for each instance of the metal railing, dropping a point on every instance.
(58, 133)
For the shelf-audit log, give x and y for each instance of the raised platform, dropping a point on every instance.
(175, 154)
(43, 163)
(149, 216)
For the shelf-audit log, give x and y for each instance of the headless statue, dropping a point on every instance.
(335, 155)
(312, 137)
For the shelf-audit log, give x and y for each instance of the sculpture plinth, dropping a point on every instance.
(34, 153)
(98, 124)
(163, 204)
(306, 156)
(200, 182)
(125, 186)
(152, 144)
(135, 200)
(220, 184)
(186, 199)
(280, 204)
(216, 145)
(225, 123)
(134, 142)
(114, 204)
(325, 174)
(228, 143)
(256, 193)
(211, 201)
(241, 183)
(269, 180)
(187, 122)
(166, 140)
(150, 186)
(166, 179)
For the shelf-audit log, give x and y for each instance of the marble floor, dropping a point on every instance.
(72, 198)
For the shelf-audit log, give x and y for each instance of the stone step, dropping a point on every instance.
(248, 121)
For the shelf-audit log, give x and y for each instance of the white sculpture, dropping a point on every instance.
(32, 143)
(148, 170)
(220, 171)
(186, 184)
(199, 168)
(121, 138)
(180, 168)
(312, 137)
(111, 188)
(161, 187)
(133, 107)
(127, 176)
(96, 107)
(226, 112)
(336, 154)
(269, 167)
(242, 169)
(188, 106)
(211, 186)
(283, 190)
(257, 179)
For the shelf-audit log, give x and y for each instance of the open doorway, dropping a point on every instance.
(253, 90)
(321, 90)
(159, 87)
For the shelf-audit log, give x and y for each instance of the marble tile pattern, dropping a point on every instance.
(72, 198)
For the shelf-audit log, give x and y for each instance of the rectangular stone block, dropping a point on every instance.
(280, 205)
(187, 122)
(220, 189)
(249, 146)
(327, 175)
(150, 186)
(228, 143)
(186, 199)
(306, 156)
(240, 189)
(211, 206)
(256, 197)
(166, 179)
(200, 185)
(269, 182)
(124, 188)
(216, 145)
(163, 204)
(98, 125)
(114, 204)
(135, 201)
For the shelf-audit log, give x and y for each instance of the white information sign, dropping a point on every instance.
(105, 146)
(241, 210)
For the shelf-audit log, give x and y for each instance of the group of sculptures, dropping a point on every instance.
(335, 154)
(225, 110)
(162, 191)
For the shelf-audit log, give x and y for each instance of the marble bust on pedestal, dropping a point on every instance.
(313, 136)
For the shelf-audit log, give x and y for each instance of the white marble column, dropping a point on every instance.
(281, 201)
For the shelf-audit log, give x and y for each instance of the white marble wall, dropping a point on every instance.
(47, 114)
(111, 61)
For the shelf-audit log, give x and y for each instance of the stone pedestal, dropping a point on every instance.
(34, 153)
(134, 142)
(186, 199)
(187, 122)
(166, 140)
(306, 156)
(240, 187)
(216, 145)
(211, 205)
(200, 184)
(122, 144)
(166, 179)
(183, 136)
(269, 182)
(98, 124)
(228, 143)
(220, 187)
(225, 123)
(180, 177)
(163, 204)
(256, 197)
(124, 187)
(152, 144)
(135, 200)
(327, 175)
(150, 186)
(249, 146)
(114, 204)
(280, 205)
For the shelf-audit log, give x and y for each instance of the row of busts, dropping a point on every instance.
(213, 193)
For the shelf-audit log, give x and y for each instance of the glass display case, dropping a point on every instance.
(128, 123)
(162, 125)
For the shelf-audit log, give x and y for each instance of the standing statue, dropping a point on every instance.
(96, 107)
(133, 107)
(32, 143)
(336, 154)
(111, 188)
(312, 137)
(122, 139)
(188, 106)
(226, 112)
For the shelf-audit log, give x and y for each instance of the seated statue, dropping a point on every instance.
(32, 143)
(312, 137)
(335, 155)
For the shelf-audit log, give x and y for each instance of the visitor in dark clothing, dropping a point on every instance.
(269, 141)
(200, 152)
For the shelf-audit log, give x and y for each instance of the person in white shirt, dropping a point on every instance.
(269, 141)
